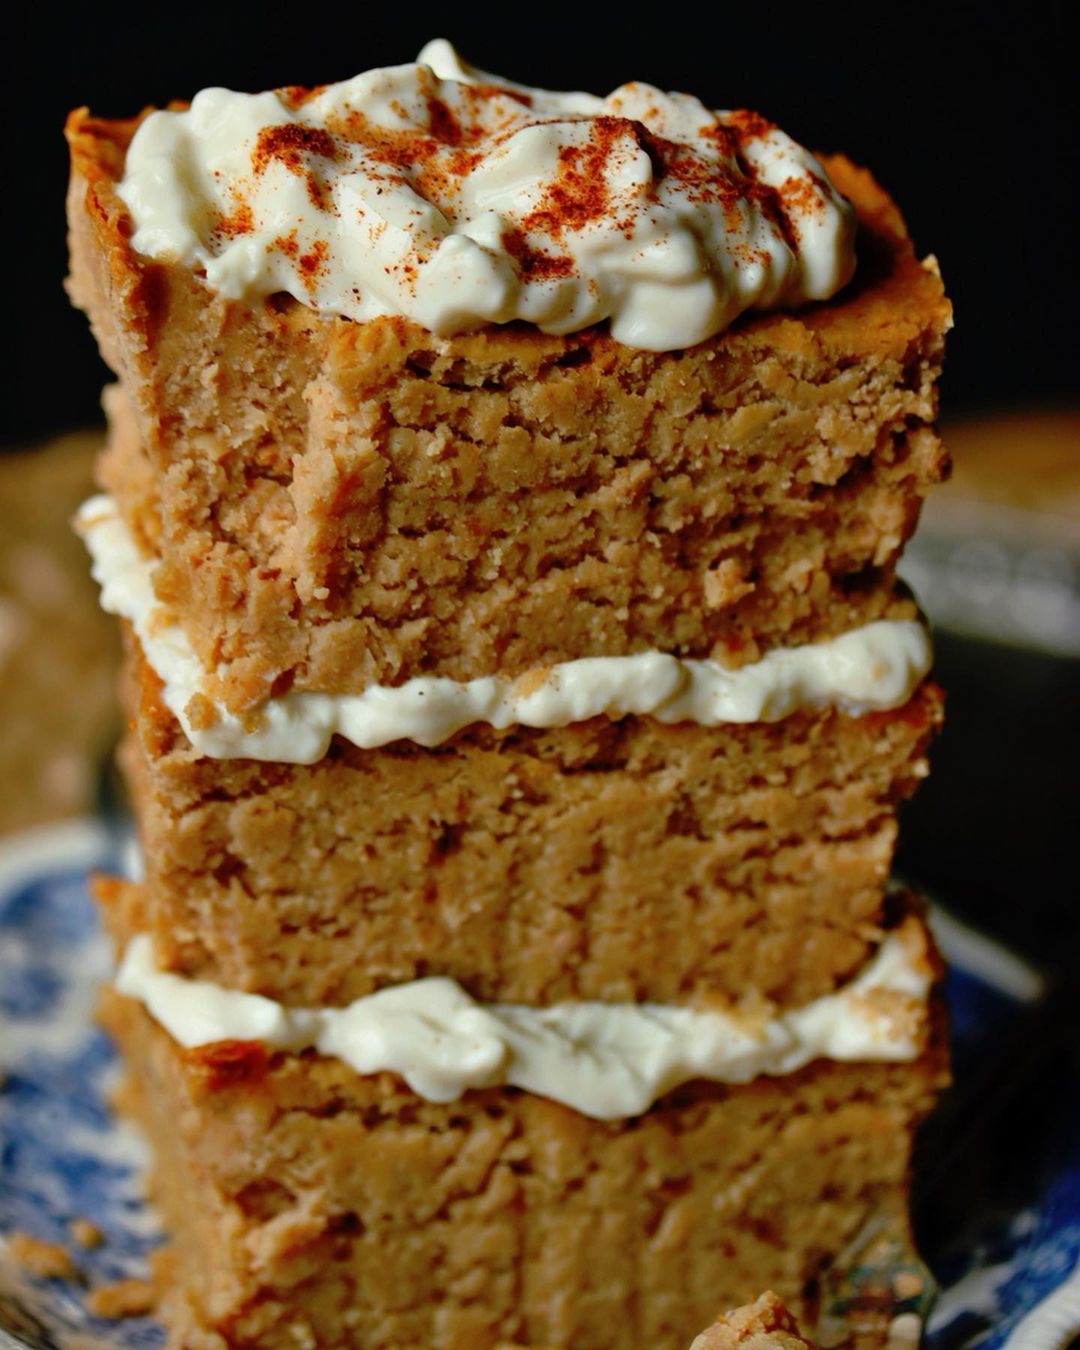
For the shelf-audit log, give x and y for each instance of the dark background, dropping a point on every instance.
(966, 113)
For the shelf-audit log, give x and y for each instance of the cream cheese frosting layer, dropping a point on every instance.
(869, 669)
(608, 1061)
(456, 199)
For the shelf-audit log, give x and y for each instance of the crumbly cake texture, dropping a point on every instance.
(606, 860)
(313, 1206)
(336, 504)
(46, 1260)
(765, 1324)
(333, 504)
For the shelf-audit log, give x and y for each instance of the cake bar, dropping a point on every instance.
(608, 859)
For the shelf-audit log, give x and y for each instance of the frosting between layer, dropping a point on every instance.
(871, 668)
(608, 1061)
(457, 199)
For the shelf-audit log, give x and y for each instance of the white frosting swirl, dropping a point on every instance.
(871, 668)
(458, 199)
(606, 1060)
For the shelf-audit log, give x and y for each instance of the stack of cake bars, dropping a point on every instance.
(680, 859)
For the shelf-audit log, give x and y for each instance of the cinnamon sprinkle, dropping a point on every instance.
(532, 263)
(444, 125)
(296, 95)
(705, 179)
(239, 221)
(748, 125)
(287, 142)
(803, 196)
(285, 243)
(579, 193)
(434, 169)
(438, 156)
(313, 263)
(435, 158)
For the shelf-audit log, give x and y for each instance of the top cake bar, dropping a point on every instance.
(336, 504)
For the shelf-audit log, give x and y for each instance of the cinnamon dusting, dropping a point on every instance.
(237, 222)
(532, 263)
(313, 263)
(285, 243)
(288, 142)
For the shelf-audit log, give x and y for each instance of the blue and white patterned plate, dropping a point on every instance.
(64, 1156)
(1007, 1270)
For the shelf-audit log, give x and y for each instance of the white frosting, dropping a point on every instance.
(874, 667)
(431, 191)
(605, 1060)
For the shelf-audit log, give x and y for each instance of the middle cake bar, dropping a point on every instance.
(610, 859)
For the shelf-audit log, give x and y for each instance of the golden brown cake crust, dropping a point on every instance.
(337, 503)
(313, 1206)
(605, 860)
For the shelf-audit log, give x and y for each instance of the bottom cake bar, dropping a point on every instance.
(312, 1205)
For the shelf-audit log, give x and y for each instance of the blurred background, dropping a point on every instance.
(968, 116)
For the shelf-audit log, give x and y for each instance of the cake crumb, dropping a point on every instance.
(125, 1298)
(85, 1233)
(763, 1325)
(48, 1260)
(904, 1332)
